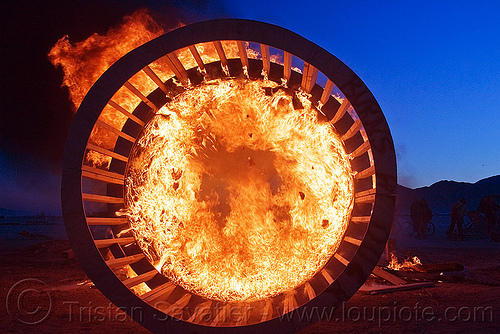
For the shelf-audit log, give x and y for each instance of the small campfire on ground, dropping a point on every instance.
(413, 264)
(407, 264)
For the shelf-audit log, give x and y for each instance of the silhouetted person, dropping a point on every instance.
(488, 207)
(457, 214)
(424, 216)
(414, 212)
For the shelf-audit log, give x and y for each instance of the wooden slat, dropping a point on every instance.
(327, 92)
(106, 152)
(95, 174)
(222, 315)
(353, 241)
(365, 193)
(355, 127)
(156, 290)
(411, 275)
(365, 199)
(115, 131)
(267, 311)
(173, 68)
(200, 312)
(245, 314)
(305, 78)
(360, 150)
(310, 291)
(130, 282)
(309, 77)
(438, 267)
(106, 221)
(362, 219)
(197, 57)
(220, 52)
(287, 69)
(242, 50)
(126, 113)
(365, 173)
(327, 276)
(341, 111)
(266, 59)
(103, 172)
(341, 259)
(161, 292)
(289, 303)
(156, 79)
(388, 276)
(137, 93)
(180, 303)
(102, 178)
(409, 286)
(123, 261)
(101, 198)
(178, 68)
(103, 243)
(313, 72)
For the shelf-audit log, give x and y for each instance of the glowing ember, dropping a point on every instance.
(234, 194)
(406, 264)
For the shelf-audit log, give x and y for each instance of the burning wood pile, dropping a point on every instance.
(413, 269)
(412, 274)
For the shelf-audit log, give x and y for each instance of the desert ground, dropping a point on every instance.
(463, 302)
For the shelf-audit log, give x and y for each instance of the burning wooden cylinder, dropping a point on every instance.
(105, 139)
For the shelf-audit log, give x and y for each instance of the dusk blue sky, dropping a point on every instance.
(433, 66)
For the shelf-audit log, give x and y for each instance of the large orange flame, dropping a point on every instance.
(84, 62)
(237, 196)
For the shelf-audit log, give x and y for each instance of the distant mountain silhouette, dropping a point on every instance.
(441, 195)
(11, 213)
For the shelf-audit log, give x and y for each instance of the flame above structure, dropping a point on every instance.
(248, 171)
